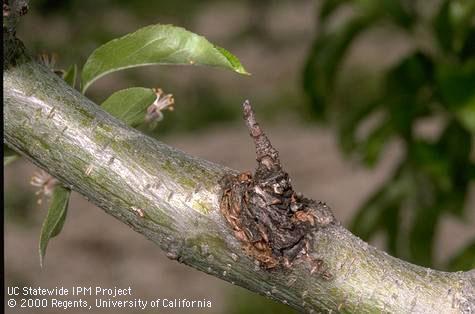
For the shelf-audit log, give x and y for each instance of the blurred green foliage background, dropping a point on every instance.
(415, 91)
(434, 80)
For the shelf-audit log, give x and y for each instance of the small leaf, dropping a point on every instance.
(9, 155)
(70, 75)
(156, 44)
(55, 218)
(130, 105)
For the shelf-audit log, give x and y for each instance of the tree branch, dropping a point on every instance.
(173, 199)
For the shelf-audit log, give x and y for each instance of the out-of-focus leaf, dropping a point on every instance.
(325, 56)
(422, 234)
(410, 74)
(70, 75)
(370, 217)
(433, 163)
(467, 51)
(455, 146)
(391, 221)
(456, 84)
(350, 122)
(9, 155)
(407, 85)
(471, 171)
(465, 137)
(453, 25)
(156, 44)
(435, 173)
(130, 105)
(464, 260)
(462, 16)
(55, 218)
(443, 27)
(466, 115)
(457, 143)
(401, 12)
(328, 7)
(372, 146)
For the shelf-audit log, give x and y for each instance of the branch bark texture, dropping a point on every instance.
(173, 199)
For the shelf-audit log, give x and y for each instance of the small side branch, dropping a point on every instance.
(264, 148)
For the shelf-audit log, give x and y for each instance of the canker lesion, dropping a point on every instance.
(273, 223)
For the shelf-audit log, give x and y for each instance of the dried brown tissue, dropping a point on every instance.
(274, 224)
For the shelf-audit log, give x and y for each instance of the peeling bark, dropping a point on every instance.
(174, 199)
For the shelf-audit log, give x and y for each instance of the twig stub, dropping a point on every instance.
(271, 220)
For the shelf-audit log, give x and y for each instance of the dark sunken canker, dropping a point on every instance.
(271, 220)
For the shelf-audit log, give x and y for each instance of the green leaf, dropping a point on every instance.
(326, 54)
(456, 85)
(422, 233)
(156, 44)
(371, 216)
(70, 75)
(9, 155)
(373, 145)
(456, 82)
(455, 147)
(328, 7)
(410, 74)
(55, 218)
(130, 105)
(466, 115)
(471, 171)
(443, 27)
(467, 51)
(433, 163)
(232, 59)
(368, 218)
(454, 26)
(350, 122)
(408, 88)
(399, 12)
(392, 221)
(464, 260)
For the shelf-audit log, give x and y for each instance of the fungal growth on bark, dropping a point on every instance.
(273, 222)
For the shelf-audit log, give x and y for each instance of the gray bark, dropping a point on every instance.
(173, 200)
